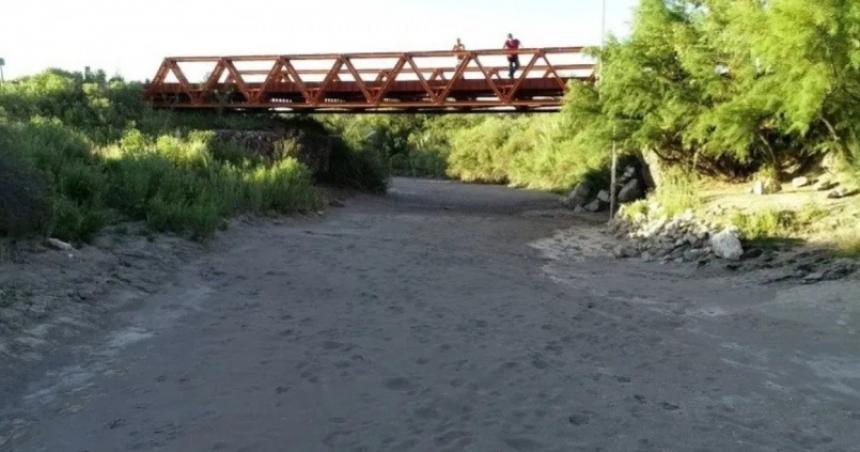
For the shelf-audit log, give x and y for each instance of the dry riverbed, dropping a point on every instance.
(440, 317)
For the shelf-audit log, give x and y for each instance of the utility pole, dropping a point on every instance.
(2, 78)
(603, 25)
(613, 184)
(613, 178)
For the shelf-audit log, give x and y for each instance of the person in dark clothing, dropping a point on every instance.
(513, 57)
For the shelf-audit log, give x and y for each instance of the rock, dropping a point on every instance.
(692, 239)
(804, 269)
(594, 206)
(840, 193)
(825, 184)
(336, 203)
(800, 182)
(753, 253)
(767, 187)
(653, 168)
(603, 196)
(578, 196)
(727, 245)
(839, 270)
(629, 174)
(813, 278)
(631, 191)
(59, 245)
(687, 216)
(625, 251)
(694, 255)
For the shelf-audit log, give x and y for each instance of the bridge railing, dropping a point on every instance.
(435, 80)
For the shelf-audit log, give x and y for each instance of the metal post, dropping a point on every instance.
(603, 25)
(613, 184)
(602, 42)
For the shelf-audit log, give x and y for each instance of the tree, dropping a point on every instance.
(730, 86)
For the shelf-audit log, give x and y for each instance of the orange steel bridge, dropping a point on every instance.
(437, 81)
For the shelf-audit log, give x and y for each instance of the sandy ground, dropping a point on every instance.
(446, 317)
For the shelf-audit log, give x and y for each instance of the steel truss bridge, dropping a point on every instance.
(436, 81)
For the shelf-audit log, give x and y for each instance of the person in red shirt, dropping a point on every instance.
(513, 57)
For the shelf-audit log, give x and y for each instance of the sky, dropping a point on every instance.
(131, 37)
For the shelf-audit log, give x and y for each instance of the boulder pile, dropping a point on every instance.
(823, 183)
(585, 197)
(679, 239)
(686, 239)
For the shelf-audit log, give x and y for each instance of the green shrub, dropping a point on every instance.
(134, 180)
(283, 187)
(73, 221)
(776, 224)
(81, 183)
(79, 151)
(173, 182)
(848, 245)
(362, 169)
(24, 199)
(678, 192)
(766, 224)
(98, 107)
(480, 154)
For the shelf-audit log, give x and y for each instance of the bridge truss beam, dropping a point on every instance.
(438, 81)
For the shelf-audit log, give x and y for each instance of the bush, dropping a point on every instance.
(73, 221)
(24, 199)
(678, 192)
(79, 151)
(362, 169)
(479, 154)
(174, 183)
(767, 224)
(99, 107)
(848, 245)
(776, 224)
(524, 151)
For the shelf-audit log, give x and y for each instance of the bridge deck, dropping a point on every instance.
(423, 81)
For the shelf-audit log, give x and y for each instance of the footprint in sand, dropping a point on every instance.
(400, 384)
(582, 418)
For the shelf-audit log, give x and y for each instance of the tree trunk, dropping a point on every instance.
(652, 168)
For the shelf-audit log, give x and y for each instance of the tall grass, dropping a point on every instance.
(678, 192)
(79, 151)
(174, 183)
(770, 225)
(848, 244)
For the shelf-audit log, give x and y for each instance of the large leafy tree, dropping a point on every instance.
(729, 86)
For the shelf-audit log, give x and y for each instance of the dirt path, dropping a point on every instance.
(451, 317)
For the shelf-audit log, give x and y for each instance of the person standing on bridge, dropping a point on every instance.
(459, 48)
(511, 45)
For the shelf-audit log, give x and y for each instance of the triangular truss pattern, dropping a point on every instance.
(404, 81)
